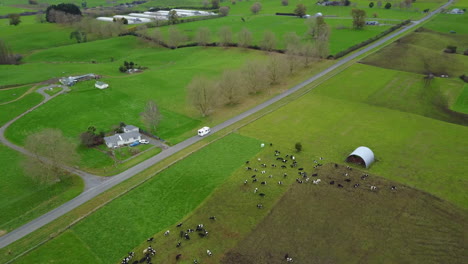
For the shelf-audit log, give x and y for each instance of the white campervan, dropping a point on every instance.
(203, 131)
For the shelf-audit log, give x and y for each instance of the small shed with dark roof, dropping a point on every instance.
(362, 155)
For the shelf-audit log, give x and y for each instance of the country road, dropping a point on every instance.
(96, 186)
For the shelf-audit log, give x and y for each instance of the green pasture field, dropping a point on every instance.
(340, 39)
(11, 110)
(9, 94)
(461, 104)
(147, 209)
(98, 161)
(446, 23)
(402, 91)
(90, 3)
(23, 199)
(273, 6)
(332, 127)
(85, 105)
(422, 52)
(5, 10)
(325, 224)
(27, 37)
(306, 221)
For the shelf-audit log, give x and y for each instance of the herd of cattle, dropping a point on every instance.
(262, 174)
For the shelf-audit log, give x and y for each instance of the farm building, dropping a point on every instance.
(71, 80)
(130, 135)
(101, 85)
(362, 155)
(456, 11)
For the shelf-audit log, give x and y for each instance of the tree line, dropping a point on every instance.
(233, 86)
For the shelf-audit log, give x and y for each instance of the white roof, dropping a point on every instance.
(365, 153)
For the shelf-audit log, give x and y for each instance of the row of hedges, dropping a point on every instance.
(370, 40)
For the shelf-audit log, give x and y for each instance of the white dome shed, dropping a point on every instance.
(361, 155)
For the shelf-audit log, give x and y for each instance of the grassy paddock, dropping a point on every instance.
(397, 90)
(326, 224)
(333, 128)
(159, 203)
(422, 52)
(461, 104)
(340, 39)
(11, 110)
(10, 94)
(23, 199)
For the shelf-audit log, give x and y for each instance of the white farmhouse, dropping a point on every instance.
(101, 85)
(130, 135)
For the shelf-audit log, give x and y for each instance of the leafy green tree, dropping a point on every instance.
(388, 6)
(359, 18)
(71, 9)
(298, 146)
(371, 4)
(15, 19)
(80, 36)
(215, 4)
(173, 17)
(300, 10)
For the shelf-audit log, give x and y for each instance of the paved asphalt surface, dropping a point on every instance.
(96, 185)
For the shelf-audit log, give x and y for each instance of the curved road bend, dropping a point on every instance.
(114, 180)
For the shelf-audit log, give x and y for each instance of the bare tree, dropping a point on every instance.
(51, 150)
(292, 41)
(322, 41)
(293, 57)
(224, 10)
(269, 41)
(244, 38)
(157, 36)
(276, 68)
(315, 25)
(230, 87)
(202, 37)
(202, 94)
(225, 36)
(175, 37)
(255, 77)
(255, 8)
(151, 116)
(285, 2)
(308, 53)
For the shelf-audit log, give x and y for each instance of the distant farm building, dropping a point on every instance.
(71, 80)
(362, 156)
(101, 85)
(456, 11)
(138, 18)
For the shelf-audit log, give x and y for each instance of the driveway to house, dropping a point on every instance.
(97, 186)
